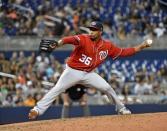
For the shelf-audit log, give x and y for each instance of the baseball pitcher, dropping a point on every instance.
(90, 51)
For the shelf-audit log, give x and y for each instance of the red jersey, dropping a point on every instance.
(88, 54)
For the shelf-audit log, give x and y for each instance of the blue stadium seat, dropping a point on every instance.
(130, 67)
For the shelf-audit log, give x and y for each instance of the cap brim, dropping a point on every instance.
(92, 27)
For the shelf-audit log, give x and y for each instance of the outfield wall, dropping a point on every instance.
(19, 114)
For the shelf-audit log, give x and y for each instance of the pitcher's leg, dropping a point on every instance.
(96, 81)
(67, 79)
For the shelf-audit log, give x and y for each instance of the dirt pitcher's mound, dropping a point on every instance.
(140, 122)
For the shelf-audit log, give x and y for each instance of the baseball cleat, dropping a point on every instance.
(32, 114)
(124, 111)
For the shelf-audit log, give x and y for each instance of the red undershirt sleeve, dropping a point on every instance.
(127, 52)
(116, 52)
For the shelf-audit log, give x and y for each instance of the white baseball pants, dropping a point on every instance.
(72, 77)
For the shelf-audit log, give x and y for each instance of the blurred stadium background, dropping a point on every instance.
(138, 80)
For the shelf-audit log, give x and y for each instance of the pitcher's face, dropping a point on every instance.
(95, 34)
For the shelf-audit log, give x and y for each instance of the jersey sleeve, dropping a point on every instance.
(74, 40)
(116, 51)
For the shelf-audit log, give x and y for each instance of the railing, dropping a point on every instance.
(32, 43)
(23, 43)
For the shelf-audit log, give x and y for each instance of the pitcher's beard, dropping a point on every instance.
(93, 39)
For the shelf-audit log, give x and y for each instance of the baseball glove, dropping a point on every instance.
(47, 46)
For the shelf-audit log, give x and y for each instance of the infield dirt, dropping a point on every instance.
(135, 122)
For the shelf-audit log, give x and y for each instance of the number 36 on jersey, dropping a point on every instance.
(85, 59)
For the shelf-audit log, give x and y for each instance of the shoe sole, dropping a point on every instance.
(124, 114)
